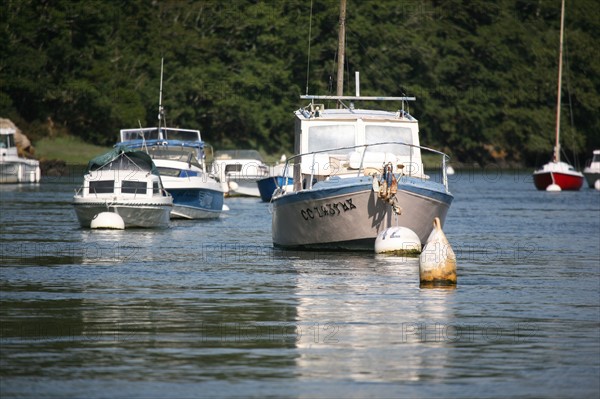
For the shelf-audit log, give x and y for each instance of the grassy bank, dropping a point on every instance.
(71, 150)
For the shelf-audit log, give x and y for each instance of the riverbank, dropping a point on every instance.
(66, 149)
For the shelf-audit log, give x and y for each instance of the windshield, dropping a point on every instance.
(182, 135)
(380, 134)
(123, 162)
(145, 134)
(330, 137)
(180, 154)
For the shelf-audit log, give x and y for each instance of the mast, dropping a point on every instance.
(341, 49)
(562, 27)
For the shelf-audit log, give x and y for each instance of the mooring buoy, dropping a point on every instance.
(233, 186)
(553, 188)
(437, 263)
(398, 241)
(107, 220)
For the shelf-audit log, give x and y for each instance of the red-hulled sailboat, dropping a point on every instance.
(557, 175)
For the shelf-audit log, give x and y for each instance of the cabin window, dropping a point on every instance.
(237, 167)
(133, 187)
(380, 134)
(155, 189)
(102, 187)
(169, 172)
(330, 137)
(7, 141)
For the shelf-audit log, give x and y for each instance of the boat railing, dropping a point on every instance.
(361, 168)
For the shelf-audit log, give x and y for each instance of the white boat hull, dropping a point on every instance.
(592, 171)
(20, 171)
(135, 213)
(238, 171)
(351, 217)
(238, 186)
(591, 178)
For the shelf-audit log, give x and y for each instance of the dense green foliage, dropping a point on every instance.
(484, 73)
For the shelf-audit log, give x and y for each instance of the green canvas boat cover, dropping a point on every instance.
(139, 158)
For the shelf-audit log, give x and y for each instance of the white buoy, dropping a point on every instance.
(107, 220)
(553, 188)
(597, 184)
(225, 208)
(233, 186)
(437, 263)
(398, 241)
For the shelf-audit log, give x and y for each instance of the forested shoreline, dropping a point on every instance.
(484, 73)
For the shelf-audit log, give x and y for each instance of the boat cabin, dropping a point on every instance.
(171, 145)
(239, 162)
(347, 142)
(121, 177)
(13, 168)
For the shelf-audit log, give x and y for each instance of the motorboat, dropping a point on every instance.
(13, 168)
(557, 175)
(592, 170)
(239, 170)
(127, 183)
(357, 172)
(179, 156)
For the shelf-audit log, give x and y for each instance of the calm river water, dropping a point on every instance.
(209, 309)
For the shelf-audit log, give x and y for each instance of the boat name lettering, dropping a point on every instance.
(331, 209)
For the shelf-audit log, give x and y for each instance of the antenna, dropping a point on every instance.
(160, 108)
(309, 37)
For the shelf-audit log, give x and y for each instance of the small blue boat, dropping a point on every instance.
(268, 185)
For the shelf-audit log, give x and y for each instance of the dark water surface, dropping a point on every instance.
(209, 309)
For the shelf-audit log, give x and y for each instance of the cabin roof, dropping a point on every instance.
(140, 158)
(352, 114)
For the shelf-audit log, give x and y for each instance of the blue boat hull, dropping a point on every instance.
(196, 203)
(267, 186)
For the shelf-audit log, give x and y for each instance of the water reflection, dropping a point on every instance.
(118, 246)
(360, 316)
